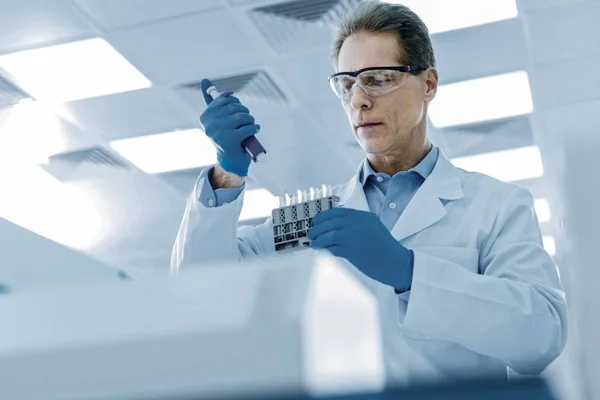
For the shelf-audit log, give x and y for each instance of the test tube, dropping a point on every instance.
(290, 197)
(300, 198)
(312, 193)
(280, 201)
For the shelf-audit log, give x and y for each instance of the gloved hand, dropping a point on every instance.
(227, 123)
(361, 238)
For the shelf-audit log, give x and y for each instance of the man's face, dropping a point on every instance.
(400, 115)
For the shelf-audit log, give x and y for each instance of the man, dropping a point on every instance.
(454, 258)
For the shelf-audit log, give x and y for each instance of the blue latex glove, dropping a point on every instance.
(227, 123)
(361, 238)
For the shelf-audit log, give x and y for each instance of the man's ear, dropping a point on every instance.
(431, 83)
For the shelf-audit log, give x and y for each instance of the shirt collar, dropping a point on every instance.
(423, 168)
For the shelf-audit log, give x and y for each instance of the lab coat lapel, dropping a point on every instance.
(352, 194)
(426, 207)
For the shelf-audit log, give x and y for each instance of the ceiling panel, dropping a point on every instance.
(331, 120)
(527, 5)
(253, 3)
(560, 33)
(188, 49)
(564, 91)
(480, 51)
(115, 14)
(571, 120)
(132, 114)
(307, 76)
(488, 137)
(25, 24)
(292, 129)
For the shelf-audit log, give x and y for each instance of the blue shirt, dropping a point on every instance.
(387, 196)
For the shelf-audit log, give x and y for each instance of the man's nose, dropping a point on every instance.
(360, 99)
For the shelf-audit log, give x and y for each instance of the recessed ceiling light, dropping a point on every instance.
(506, 165)
(483, 99)
(444, 15)
(164, 152)
(549, 244)
(73, 71)
(258, 203)
(542, 209)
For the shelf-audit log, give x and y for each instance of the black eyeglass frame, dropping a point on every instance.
(402, 68)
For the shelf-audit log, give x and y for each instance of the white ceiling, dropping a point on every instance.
(176, 43)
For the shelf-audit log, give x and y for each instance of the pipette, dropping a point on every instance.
(251, 144)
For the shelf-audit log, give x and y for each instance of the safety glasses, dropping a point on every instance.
(375, 81)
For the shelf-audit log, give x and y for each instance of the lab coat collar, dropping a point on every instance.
(423, 168)
(424, 209)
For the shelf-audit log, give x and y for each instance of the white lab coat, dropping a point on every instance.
(485, 294)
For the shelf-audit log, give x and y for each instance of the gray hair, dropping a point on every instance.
(377, 17)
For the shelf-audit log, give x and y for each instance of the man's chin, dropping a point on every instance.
(373, 147)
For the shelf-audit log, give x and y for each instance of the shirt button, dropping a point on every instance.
(211, 202)
(379, 179)
(392, 206)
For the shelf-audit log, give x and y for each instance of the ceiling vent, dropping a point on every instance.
(303, 10)
(79, 164)
(299, 23)
(94, 155)
(253, 85)
(490, 126)
(487, 136)
(10, 94)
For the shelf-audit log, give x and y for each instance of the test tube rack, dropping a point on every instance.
(293, 219)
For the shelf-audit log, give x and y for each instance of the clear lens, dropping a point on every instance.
(373, 82)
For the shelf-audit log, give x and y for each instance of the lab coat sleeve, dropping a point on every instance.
(513, 310)
(208, 234)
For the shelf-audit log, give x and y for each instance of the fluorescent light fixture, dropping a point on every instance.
(444, 15)
(542, 209)
(506, 165)
(165, 152)
(73, 71)
(258, 203)
(483, 99)
(549, 244)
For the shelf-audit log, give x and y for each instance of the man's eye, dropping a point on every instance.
(371, 81)
(347, 84)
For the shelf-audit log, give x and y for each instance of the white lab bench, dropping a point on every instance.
(281, 325)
